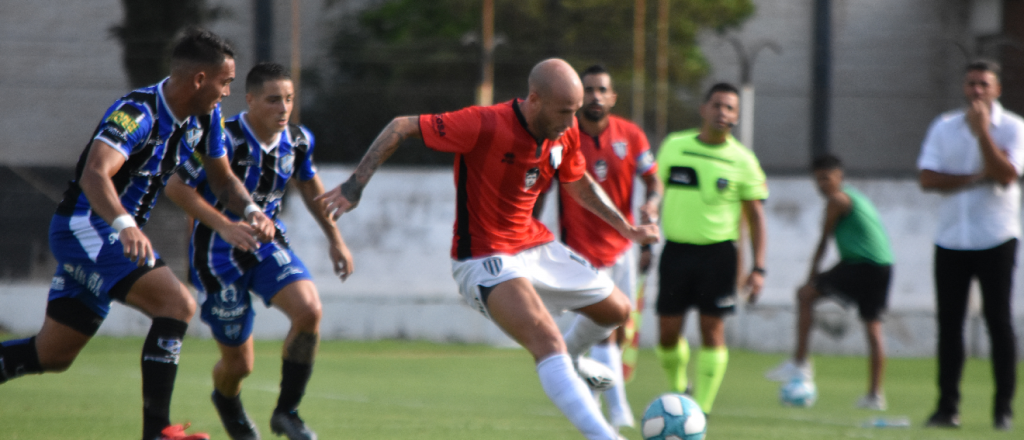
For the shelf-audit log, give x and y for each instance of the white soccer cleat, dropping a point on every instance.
(790, 370)
(597, 375)
(874, 402)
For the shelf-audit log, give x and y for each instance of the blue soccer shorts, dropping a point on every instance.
(229, 313)
(90, 261)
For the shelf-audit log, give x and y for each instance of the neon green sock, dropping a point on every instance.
(711, 363)
(673, 361)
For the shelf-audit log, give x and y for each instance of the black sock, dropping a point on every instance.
(294, 377)
(159, 367)
(18, 358)
(228, 405)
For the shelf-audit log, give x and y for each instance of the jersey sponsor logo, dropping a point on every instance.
(531, 177)
(229, 295)
(287, 272)
(439, 125)
(682, 176)
(125, 123)
(492, 265)
(601, 170)
(288, 163)
(722, 184)
(556, 156)
(509, 158)
(57, 283)
(193, 165)
(228, 313)
(619, 147)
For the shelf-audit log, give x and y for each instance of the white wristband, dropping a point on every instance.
(251, 209)
(124, 221)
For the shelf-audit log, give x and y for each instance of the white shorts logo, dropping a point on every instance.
(492, 266)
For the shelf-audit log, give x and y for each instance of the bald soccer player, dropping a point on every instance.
(506, 263)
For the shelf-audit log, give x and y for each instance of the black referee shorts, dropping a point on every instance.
(864, 284)
(702, 276)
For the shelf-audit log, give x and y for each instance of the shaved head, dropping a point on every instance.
(553, 77)
(556, 92)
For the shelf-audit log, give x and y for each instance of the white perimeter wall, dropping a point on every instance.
(401, 235)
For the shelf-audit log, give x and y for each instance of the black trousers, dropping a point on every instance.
(953, 273)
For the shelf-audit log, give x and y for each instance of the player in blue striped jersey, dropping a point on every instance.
(265, 152)
(96, 238)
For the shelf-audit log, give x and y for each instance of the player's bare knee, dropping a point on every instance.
(238, 369)
(308, 318)
(57, 363)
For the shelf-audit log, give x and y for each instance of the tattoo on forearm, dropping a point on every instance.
(380, 150)
(352, 189)
(302, 348)
(599, 202)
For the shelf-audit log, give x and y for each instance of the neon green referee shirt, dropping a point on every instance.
(704, 187)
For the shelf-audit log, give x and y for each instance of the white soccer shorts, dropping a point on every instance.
(624, 272)
(563, 280)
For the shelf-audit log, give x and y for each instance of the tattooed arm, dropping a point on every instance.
(589, 194)
(346, 196)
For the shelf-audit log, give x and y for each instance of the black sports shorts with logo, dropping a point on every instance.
(864, 284)
(702, 276)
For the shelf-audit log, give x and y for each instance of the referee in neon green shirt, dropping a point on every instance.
(710, 178)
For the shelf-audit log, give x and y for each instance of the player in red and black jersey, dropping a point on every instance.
(507, 264)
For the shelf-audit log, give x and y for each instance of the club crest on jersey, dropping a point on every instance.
(619, 147)
(492, 265)
(556, 156)
(531, 177)
(601, 170)
(192, 136)
(722, 184)
(287, 163)
(229, 295)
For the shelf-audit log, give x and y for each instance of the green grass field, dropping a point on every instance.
(395, 389)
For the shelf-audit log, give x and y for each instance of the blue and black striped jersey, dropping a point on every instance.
(264, 170)
(141, 127)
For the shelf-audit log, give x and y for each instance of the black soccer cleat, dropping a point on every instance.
(942, 419)
(236, 422)
(290, 425)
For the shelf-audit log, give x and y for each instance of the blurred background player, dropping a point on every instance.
(710, 178)
(506, 263)
(102, 254)
(862, 276)
(616, 151)
(265, 152)
(974, 157)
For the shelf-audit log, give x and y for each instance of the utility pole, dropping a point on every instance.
(485, 92)
(661, 98)
(747, 59)
(639, 46)
(296, 62)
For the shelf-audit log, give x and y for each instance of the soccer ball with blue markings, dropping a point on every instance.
(798, 392)
(673, 417)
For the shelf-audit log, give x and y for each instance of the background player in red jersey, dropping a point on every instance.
(507, 263)
(616, 150)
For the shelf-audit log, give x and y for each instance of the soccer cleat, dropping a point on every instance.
(941, 419)
(874, 402)
(790, 370)
(597, 375)
(238, 425)
(290, 425)
(1003, 422)
(177, 432)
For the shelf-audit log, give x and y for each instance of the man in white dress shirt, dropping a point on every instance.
(974, 157)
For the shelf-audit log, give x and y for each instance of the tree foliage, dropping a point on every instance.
(403, 57)
(147, 31)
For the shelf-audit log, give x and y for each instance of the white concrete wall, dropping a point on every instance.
(400, 236)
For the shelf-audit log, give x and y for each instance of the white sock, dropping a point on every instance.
(568, 392)
(610, 355)
(583, 334)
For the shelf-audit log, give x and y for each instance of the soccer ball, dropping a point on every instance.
(798, 392)
(673, 417)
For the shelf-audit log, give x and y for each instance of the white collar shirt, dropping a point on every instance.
(986, 214)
